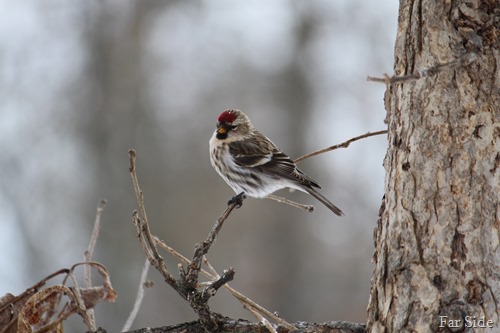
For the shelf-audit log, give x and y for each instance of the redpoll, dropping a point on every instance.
(252, 165)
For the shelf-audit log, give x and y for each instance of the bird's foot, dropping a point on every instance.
(238, 199)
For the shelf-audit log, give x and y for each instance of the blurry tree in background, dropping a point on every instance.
(82, 82)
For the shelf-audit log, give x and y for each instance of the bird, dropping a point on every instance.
(252, 165)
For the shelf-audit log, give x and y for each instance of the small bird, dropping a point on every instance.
(252, 165)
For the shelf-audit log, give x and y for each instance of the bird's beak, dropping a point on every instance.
(221, 129)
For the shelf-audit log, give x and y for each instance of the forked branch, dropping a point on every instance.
(187, 284)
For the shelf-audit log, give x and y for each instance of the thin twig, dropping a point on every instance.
(139, 297)
(261, 318)
(212, 288)
(245, 300)
(139, 195)
(210, 267)
(189, 278)
(89, 253)
(201, 249)
(466, 60)
(344, 144)
(307, 208)
(80, 304)
(142, 225)
(156, 260)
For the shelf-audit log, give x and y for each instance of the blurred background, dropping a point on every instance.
(81, 82)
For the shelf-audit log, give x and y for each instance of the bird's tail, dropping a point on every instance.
(324, 201)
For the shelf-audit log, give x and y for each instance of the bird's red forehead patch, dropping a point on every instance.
(227, 116)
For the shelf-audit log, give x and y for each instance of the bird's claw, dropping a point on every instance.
(238, 199)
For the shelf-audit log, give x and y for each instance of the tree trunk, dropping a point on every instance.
(437, 252)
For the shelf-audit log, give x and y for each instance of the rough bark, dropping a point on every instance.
(437, 247)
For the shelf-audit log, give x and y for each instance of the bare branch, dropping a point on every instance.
(202, 248)
(261, 319)
(211, 268)
(81, 308)
(244, 326)
(247, 301)
(344, 144)
(142, 225)
(89, 253)
(431, 71)
(214, 286)
(139, 297)
(307, 208)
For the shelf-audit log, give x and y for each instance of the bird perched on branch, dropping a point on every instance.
(252, 165)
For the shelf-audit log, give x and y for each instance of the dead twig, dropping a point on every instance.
(466, 60)
(307, 208)
(144, 234)
(261, 319)
(344, 144)
(89, 253)
(139, 297)
(193, 269)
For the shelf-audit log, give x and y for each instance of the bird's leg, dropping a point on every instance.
(238, 199)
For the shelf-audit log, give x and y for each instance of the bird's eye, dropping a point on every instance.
(233, 127)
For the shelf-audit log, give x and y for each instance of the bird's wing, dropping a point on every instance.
(252, 153)
(262, 155)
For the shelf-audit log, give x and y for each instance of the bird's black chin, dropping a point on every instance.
(221, 136)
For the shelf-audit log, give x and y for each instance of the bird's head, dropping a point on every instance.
(233, 124)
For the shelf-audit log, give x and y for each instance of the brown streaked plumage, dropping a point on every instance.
(250, 163)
